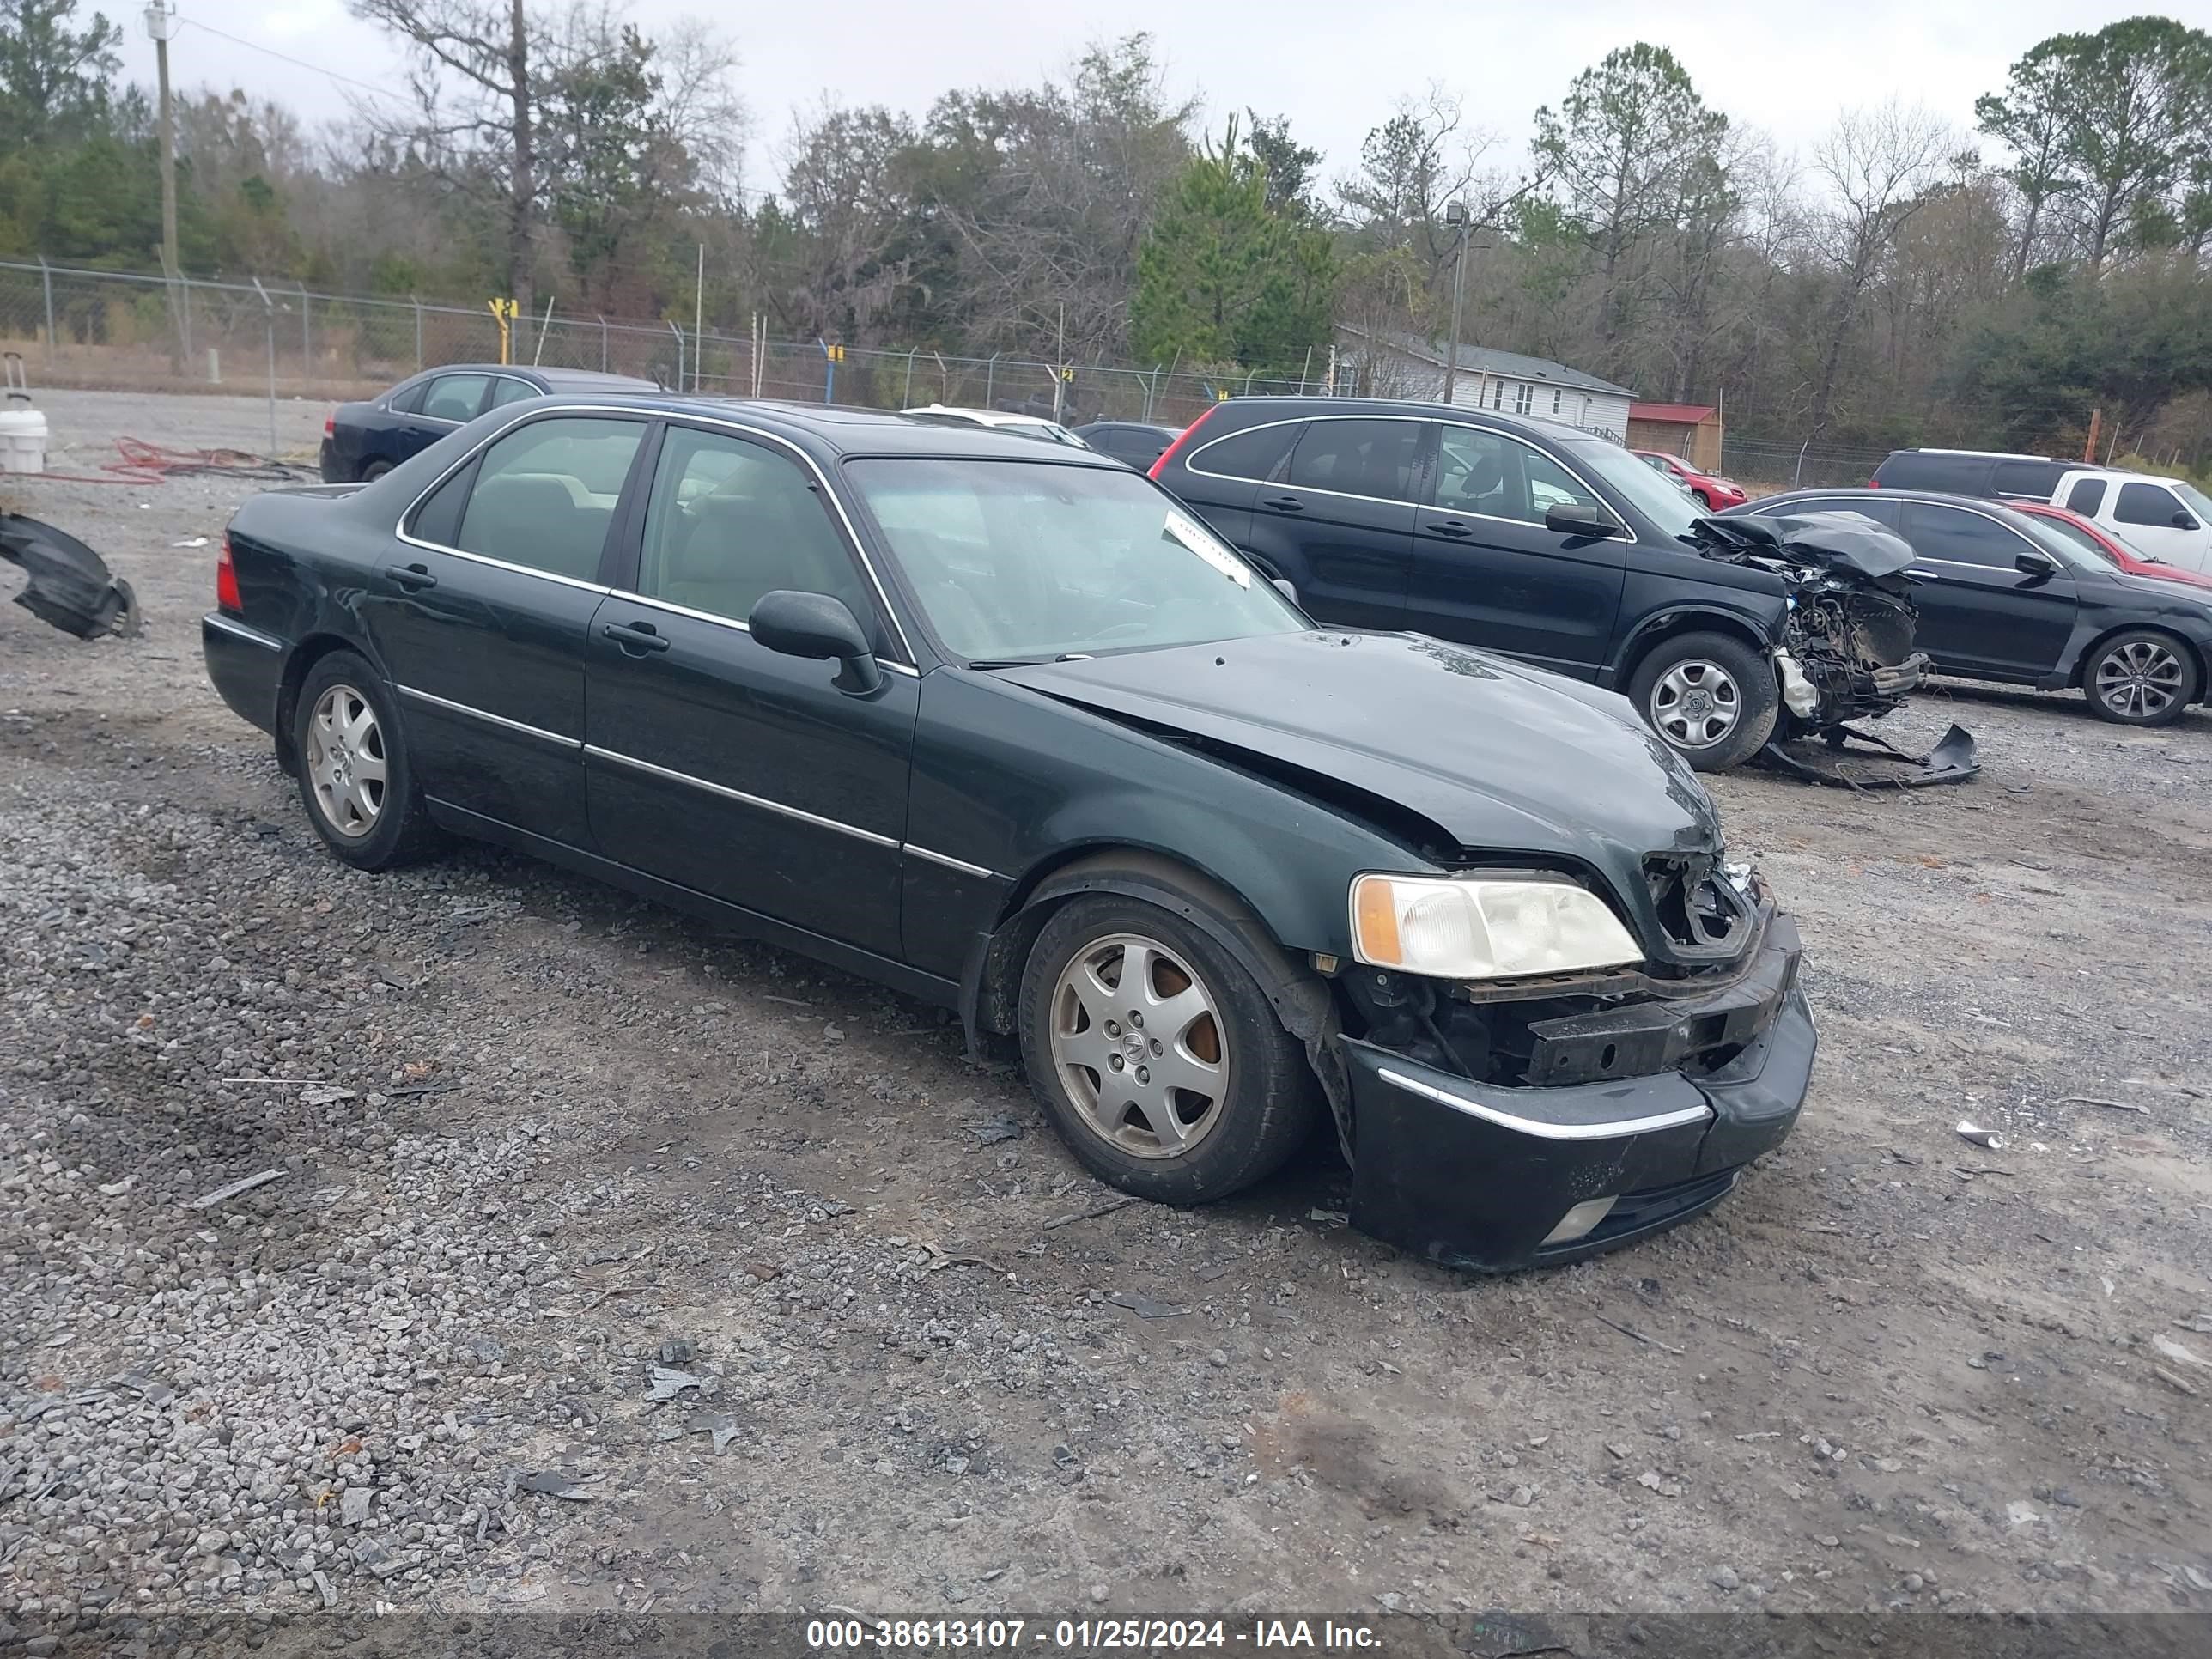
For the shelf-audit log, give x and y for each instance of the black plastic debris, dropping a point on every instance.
(71, 585)
(1952, 760)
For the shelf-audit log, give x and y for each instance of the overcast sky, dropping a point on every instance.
(1333, 66)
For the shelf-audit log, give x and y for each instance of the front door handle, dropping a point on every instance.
(636, 636)
(413, 577)
(1451, 527)
(1285, 504)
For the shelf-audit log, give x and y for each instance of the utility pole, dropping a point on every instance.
(1455, 216)
(160, 24)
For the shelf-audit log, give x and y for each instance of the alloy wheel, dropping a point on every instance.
(2140, 680)
(1140, 1046)
(1696, 704)
(346, 762)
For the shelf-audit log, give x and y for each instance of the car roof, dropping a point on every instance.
(982, 416)
(579, 379)
(1984, 455)
(1290, 408)
(1863, 492)
(831, 430)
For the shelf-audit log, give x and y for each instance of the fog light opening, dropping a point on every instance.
(1579, 1222)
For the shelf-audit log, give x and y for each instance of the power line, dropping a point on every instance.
(296, 62)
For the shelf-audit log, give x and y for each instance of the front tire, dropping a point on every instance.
(1712, 699)
(2141, 677)
(356, 777)
(1157, 1055)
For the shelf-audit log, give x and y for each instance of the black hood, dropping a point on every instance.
(1501, 757)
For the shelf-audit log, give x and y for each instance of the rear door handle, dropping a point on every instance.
(1451, 527)
(636, 636)
(1285, 504)
(412, 577)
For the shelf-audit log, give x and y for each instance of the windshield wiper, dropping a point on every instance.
(1004, 662)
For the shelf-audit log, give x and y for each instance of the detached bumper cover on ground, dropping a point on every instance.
(71, 585)
(1477, 1176)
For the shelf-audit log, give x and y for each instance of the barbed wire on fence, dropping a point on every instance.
(104, 329)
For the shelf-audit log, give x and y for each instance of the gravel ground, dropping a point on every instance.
(608, 1263)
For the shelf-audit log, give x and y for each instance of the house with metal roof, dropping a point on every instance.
(1406, 366)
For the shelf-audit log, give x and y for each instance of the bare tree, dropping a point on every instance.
(1877, 166)
(479, 70)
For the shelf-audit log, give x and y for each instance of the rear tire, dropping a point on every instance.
(356, 777)
(2141, 677)
(374, 469)
(1710, 697)
(1182, 1086)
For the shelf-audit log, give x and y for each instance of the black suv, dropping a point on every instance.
(1973, 472)
(1525, 537)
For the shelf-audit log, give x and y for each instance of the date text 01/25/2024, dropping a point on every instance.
(1086, 1635)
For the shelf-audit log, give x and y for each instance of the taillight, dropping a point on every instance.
(331, 424)
(1873, 483)
(1176, 449)
(226, 581)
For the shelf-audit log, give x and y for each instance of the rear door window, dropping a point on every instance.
(545, 494)
(1358, 458)
(1959, 537)
(2087, 496)
(1966, 475)
(2033, 480)
(455, 398)
(2146, 504)
(1254, 454)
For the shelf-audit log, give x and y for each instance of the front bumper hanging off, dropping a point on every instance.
(1492, 1177)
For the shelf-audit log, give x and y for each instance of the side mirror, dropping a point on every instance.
(2183, 521)
(2032, 563)
(1573, 519)
(817, 626)
(1287, 590)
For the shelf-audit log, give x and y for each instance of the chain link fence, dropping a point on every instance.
(1778, 463)
(127, 331)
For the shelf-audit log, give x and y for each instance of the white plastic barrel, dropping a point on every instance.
(22, 440)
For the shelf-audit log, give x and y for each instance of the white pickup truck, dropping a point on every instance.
(2167, 519)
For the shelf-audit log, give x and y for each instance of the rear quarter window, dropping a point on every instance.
(1254, 454)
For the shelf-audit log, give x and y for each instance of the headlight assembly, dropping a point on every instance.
(1484, 927)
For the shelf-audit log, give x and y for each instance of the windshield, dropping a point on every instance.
(1657, 495)
(1026, 561)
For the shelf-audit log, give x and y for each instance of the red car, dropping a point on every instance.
(2101, 542)
(1717, 494)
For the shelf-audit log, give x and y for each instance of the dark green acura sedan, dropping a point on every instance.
(1005, 728)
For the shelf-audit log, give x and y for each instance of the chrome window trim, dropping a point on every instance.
(952, 863)
(1191, 464)
(1613, 1130)
(223, 624)
(501, 720)
(1627, 533)
(675, 610)
(829, 490)
(592, 751)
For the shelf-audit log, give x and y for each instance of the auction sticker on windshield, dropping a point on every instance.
(1201, 541)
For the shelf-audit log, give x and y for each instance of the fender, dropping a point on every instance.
(990, 980)
(1761, 624)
